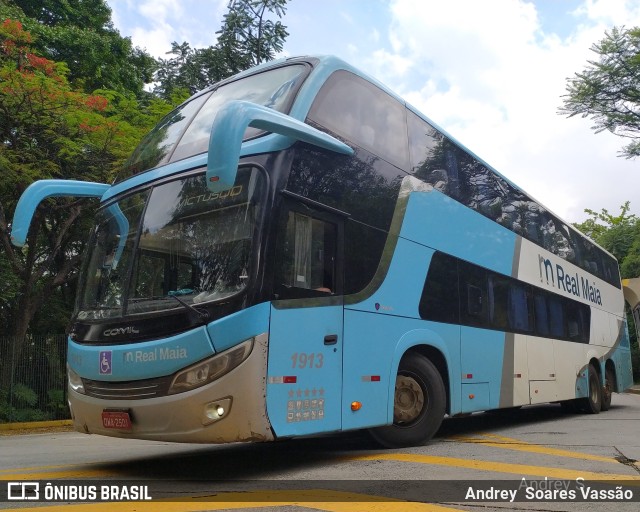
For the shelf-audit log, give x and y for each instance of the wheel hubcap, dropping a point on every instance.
(409, 400)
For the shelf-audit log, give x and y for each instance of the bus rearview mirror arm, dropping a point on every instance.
(41, 190)
(229, 126)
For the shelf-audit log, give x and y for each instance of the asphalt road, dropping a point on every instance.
(485, 452)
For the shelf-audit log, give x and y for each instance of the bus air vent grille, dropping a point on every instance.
(130, 390)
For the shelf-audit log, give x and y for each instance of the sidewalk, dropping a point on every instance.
(634, 389)
(12, 428)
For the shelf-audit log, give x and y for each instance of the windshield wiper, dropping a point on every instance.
(200, 315)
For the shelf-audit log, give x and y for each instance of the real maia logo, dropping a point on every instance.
(155, 354)
(574, 284)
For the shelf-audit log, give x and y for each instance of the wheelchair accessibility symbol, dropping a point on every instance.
(105, 362)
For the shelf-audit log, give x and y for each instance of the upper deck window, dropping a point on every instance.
(185, 131)
(363, 114)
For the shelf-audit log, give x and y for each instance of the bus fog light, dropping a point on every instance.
(215, 411)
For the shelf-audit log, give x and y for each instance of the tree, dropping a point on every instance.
(249, 34)
(248, 37)
(608, 90)
(620, 235)
(48, 130)
(82, 13)
(81, 34)
(614, 232)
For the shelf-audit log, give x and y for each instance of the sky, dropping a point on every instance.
(491, 73)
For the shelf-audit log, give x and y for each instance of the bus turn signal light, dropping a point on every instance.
(356, 406)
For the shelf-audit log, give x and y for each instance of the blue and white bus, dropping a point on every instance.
(296, 250)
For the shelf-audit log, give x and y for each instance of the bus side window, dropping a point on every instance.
(498, 302)
(556, 318)
(541, 314)
(439, 301)
(578, 320)
(520, 314)
(306, 264)
(473, 292)
(475, 304)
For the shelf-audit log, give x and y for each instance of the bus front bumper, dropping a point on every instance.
(230, 409)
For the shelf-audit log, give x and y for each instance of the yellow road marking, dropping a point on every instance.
(37, 468)
(327, 500)
(508, 443)
(497, 467)
(330, 501)
(34, 474)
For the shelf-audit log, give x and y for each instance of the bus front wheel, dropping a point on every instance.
(418, 407)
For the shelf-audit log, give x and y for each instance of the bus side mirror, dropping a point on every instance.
(41, 190)
(229, 126)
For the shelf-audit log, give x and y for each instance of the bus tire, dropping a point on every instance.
(571, 406)
(592, 404)
(607, 389)
(419, 404)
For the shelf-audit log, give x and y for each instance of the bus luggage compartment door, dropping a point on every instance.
(304, 378)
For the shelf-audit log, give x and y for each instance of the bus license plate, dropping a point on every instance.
(116, 419)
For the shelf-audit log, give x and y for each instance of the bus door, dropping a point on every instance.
(304, 381)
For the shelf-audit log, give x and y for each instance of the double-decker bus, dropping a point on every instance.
(295, 250)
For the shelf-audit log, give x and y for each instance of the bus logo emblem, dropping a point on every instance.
(105, 362)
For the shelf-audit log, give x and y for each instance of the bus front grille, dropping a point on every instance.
(130, 390)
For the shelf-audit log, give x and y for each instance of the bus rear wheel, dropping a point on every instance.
(607, 389)
(419, 404)
(592, 404)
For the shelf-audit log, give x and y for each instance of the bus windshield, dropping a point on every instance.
(176, 239)
(185, 131)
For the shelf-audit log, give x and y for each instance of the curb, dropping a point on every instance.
(634, 390)
(35, 424)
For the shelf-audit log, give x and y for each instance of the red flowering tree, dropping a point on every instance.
(48, 130)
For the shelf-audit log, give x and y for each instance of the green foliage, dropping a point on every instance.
(24, 396)
(630, 266)
(50, 130)
(87, 13)
(73, 106)
(616, 233)
(600, 223)
(620, 235)
(9, 413)
(248, 36)
(57, 404)
(36, 391)
(80, 34)
(608, 90)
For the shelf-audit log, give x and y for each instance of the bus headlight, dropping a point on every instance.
(75, 382)
(210, 369)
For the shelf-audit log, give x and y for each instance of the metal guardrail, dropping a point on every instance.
(33, 379)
